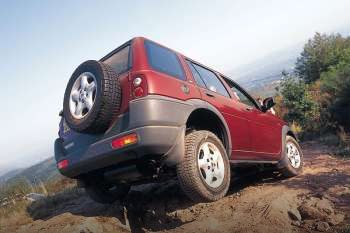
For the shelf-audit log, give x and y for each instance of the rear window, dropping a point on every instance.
(119, 61)
(164, 60)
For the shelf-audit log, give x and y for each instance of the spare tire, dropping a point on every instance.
(92, 98)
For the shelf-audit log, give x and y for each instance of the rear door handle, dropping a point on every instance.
(210, 95)
(249, 109)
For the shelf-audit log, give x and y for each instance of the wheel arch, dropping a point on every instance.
(207, 119)
(199, 109)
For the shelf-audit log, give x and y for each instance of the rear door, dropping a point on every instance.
(214, 92)
(264, 127)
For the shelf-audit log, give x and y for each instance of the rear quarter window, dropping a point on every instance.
(164, 60)
(119, 61)
(211, 81)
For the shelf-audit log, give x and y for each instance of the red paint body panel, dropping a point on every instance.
(255, 135)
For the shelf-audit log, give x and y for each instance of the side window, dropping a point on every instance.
(164, 60)
(195, 75)
(120, 60)
(211, 81)
(242, 97)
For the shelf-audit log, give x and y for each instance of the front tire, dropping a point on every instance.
(204, 173)
(293, 158)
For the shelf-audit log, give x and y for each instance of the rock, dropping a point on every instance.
(34, 197)
(296, 223)
(325, 206)
(310, 212)
(308, 224)
(294, 214)
(322, 226)
(316, 208)
(335, 219)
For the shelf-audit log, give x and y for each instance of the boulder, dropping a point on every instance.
(294, 214)
(320, 209)
(335, 219)
(34, 197)
(322, 226)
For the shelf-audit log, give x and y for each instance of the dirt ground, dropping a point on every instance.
(318, 200)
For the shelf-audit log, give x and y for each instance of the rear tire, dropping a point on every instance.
(105, 193)
(204, 177)
(294, 161)
(99, 99)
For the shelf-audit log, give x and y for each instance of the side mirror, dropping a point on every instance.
(267, 104)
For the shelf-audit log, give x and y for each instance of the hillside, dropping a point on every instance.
(43, 171)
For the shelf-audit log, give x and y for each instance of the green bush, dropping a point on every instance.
(317, 96)
(301, 109)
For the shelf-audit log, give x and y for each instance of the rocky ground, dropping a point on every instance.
(316, 201)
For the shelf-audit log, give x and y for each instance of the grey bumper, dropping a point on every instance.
(159, 123)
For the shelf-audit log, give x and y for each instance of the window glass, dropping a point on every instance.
(164, 60)
(119, 61)
(241, 96)
(211, 81)
(195, 75)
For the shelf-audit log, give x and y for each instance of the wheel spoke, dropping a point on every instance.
(202, 163)
(219, 173)
(91, 87)
(89, 102)
(83, 82)
(209, 177)
(75, 96)
(216, 156)
(79, 109)
(206, 150)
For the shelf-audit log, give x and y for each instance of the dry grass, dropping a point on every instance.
(11, 222)
(19, 212)
(15, 191)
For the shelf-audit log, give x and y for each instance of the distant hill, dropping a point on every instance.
(43, 171)
(263, 75)
(10, 174)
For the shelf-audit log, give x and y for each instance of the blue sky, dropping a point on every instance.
(42, 42)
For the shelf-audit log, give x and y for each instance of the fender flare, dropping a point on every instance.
(285, 131)
(177, 151)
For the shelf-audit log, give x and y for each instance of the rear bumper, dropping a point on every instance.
(152, 140)
(159, 123)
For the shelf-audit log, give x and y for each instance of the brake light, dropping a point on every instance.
(138, 92)
(124, 141)
(62, 164)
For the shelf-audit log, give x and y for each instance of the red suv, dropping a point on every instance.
(145, 113)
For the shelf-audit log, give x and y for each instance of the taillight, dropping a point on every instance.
(124, 141)
(62, 164)
(138, 92)
(139, 86)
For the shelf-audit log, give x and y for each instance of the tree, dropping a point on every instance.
(335, 85)
(319, 54)
(298, 102)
